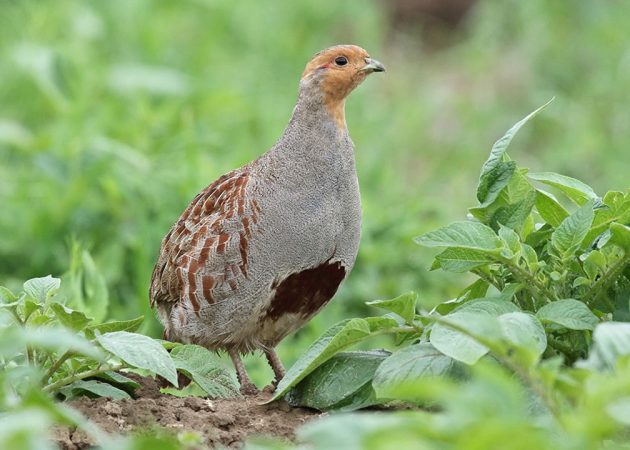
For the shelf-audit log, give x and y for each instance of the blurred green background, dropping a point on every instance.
(114, 114)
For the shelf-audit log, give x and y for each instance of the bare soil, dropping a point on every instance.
(221, 423)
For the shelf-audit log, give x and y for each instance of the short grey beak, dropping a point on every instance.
(373, 65)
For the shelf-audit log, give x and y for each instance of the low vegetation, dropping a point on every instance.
(534, 352)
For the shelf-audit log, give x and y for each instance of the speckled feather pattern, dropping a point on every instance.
(258, 252)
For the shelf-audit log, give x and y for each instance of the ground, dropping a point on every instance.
(224, 422)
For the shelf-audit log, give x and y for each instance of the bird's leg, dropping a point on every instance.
(276, 365)
(247, 387)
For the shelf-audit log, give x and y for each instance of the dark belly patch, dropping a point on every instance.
(307, 291)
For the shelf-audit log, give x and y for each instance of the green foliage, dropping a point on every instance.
(49, 350)
(516, 353)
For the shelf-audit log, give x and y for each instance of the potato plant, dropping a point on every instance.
(49, 351)
(542, 325)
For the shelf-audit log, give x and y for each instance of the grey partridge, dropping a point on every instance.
(262, 249)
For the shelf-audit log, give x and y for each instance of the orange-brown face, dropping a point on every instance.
(341, 68)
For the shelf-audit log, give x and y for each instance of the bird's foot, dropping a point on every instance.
(249, 389)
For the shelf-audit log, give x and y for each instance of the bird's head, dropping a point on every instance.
(334, 72)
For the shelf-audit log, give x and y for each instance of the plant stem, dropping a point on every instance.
(530, 282)
(487, 278)
(51, 371)
(604, 281)
(80, 376)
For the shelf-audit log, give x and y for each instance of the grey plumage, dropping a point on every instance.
(262, 249)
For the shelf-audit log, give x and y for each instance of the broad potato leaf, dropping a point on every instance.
(489, 305)
(620, 235)
(575, 190)
(461, 346)
(410, 364)
(141, 352)
(53, 339)
(337, 380)
(381, 323)
(525, 331)
(117, 325)
(492, 182)
(460, 260)
(99, 389)
(206, 370)
(362, 398)
(568, 237)
(611, 340)
(616, 208)
(118, 379)
(404, 305)
(465, 234)
(477, 289)
(514, 215)
(549, 209)
(6, 296)
(495, 173)
(41, 289)
(569, 313)
(70, 318)
(336, 338)
(510, 239)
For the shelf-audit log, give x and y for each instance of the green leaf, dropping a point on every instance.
(477, 289)
(514, 215)
(569, 313)
(97, 297)
(460, 260)
(206, 370)
(119, 325)
(190, 390)
(68, 317)
(611, 340)
(338, 337)
(488, 305)
(141, 352)
(620, 235)
(496, 173)
(568, 237)
(41, 289)
(337, 380)
(510, 239)
(51, 339)
(118, 379)
(381, 323)
(465, 234)
(6, 296)
(524, 330)
(575, 190)
(410, 364)
(404, 305)
(95, 387)
(492, 182)
(30, 307)
(464, 347)
(549, 209)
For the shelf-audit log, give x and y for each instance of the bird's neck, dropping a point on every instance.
(317, 104)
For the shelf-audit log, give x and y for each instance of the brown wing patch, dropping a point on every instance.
(193, 259)
(307, 291)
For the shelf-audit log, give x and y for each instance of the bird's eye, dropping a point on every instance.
(341, 60)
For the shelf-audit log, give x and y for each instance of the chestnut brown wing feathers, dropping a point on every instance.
(205, 253)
